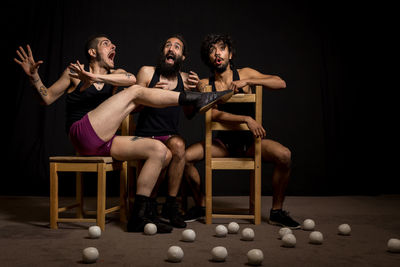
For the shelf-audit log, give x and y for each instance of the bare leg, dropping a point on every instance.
(152, 151)
(280, 156)
(195, 153)
(177, 147)
(107, 117)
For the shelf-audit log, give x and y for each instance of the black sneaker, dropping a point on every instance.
(162, 228)
(282, 218)
(170, 212)
(195, 213)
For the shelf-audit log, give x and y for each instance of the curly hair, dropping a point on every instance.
(212, 39)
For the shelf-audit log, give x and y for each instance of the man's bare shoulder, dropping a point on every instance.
(144, 75)
(245, 72)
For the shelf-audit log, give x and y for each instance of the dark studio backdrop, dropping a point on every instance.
(319, 49)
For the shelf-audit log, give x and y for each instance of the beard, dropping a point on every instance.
(168, 70)
(219, 69)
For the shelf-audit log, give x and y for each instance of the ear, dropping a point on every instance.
(230, 55)
(183, 58)
(92, 52)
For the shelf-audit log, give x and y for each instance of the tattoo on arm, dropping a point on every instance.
(128, 75)
(43, 90)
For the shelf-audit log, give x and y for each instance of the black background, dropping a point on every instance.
(327, 53)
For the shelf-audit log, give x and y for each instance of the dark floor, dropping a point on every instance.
(26, 240)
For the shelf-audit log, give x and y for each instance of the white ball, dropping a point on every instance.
(233, 228)
(283, 231)
(394, 245)
(221, 230)
(344, 229)
(188, 235)
(308, 225)
(94, 231)
(150, 229)
(175, 254)
(289, 240)
(219, 253)
(90, 255)
(255, 257)
(316, 237)
(247, 234)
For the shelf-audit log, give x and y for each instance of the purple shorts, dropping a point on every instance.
(86, 141)
(162, 138)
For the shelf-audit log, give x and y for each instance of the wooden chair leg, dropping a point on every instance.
(123, 193)
(53, 196)
(79, 195)
(252, 193)
(257, 194)
(101, 195)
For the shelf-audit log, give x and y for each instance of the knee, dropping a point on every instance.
(177, 147)
(284, 158)
(159, 152)
(168, 157)
(135, 91)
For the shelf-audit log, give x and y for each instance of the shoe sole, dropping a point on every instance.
(222, 99)
(168, 222)
(193, 220)
(280, 224)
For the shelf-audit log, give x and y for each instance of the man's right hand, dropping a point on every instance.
(27, 62)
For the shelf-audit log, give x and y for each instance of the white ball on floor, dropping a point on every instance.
(188, 235)
(94, 231)
(344, 229)
(283, 231)
(316, 237)
(308, 225)
(247, 234)
(90, 255)
(150, 229)
(255, 257)
(233, 228)
(219, 253)
(221, 230)
(394, 245)
(289, 240)
(175, 254)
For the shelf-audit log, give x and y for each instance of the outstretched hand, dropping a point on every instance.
(77, 71)
(27, 62)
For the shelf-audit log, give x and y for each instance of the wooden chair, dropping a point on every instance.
(252, 164)
(99, 165)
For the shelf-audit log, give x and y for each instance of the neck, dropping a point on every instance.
(225, 76)
(95, 68)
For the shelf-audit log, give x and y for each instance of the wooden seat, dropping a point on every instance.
(99, 165)
(253, 164)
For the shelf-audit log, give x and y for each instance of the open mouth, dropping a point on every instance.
(170, 58)
(111, 55)
(218, 61)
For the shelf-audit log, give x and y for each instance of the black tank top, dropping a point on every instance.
(229, 137)
(78, 103)
(159, 121)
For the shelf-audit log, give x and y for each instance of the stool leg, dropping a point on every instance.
(123, 192)
(53, 196)
(101, 195)
(79, 195)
